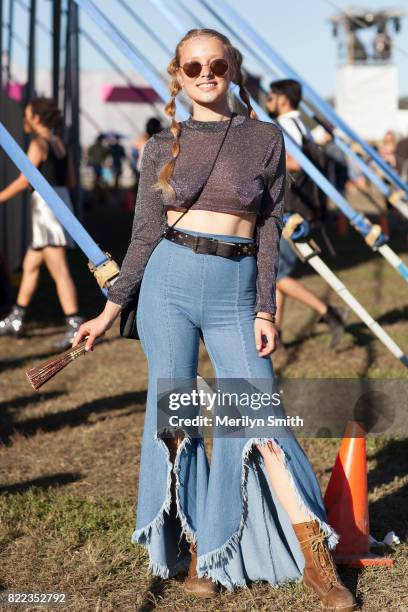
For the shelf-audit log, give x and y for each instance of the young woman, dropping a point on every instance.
(49, 239)
(257, 514)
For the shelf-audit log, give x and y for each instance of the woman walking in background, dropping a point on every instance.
(255, 513)
(49, 239)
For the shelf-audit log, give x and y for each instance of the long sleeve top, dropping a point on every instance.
(249, 177)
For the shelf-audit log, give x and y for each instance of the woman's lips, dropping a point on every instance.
(207, 86)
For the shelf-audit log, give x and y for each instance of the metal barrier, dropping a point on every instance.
(395, 197)
(312, 95)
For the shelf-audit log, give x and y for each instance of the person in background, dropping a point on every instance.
(97, 153)
(401, 158)
(357, 179)
(153, 126)
(117, 154)
(387, 148)
(49, 154)
(282, 104)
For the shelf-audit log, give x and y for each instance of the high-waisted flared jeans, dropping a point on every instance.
(228, 507)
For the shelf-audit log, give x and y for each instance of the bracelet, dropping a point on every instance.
(270, 320)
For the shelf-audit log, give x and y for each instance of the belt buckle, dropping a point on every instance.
(202, 243)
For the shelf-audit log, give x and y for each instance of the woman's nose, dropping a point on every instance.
(205, 70)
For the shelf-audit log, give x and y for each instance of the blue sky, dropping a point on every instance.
(297, 29)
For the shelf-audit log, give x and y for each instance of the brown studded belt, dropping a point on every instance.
(210, 246)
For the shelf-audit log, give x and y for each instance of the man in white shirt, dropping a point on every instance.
(282, 105)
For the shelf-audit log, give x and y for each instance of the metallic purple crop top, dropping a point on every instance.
(248, 177)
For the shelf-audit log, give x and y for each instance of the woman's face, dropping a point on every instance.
(206, 88)
(389, 138)
(31, 121)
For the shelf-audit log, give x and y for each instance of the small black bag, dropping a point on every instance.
(128, 326)
(303, 195)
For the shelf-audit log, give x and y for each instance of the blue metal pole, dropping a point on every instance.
(172, 18)
(313, 96)
(60, 209)
(356, 219)
(347, 150)
(385, 189)
(114, 65)
(144, 25)
(128, 49)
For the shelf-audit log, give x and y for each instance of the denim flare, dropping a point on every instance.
(228, 508)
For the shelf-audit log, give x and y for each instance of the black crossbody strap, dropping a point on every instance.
(209, 174)
(299, 128)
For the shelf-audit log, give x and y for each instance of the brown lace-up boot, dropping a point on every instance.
(193, 585)
(320, 572)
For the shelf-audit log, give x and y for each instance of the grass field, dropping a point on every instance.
(69, 453)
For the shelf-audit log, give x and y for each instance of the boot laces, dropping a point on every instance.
(326, 563)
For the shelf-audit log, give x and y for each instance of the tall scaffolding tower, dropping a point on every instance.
(367, 76)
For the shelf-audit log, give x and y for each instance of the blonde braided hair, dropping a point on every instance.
(175, 87)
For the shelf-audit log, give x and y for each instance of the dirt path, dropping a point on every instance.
(69, 453)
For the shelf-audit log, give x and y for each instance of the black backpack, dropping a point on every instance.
(303, 195)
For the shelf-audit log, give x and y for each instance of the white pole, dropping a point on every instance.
(402, 207)
(336, 284)
(394, 260)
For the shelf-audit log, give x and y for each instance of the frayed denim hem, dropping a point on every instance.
(232, 586)
(143, 536)
(215, 560)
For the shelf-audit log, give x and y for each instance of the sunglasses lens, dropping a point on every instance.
(192, 69)
(219, 67)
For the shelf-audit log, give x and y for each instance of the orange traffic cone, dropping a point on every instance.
(346, 502)
(342, 225)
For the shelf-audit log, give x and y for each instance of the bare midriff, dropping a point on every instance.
(234, 224)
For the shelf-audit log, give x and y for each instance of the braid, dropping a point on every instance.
(175, 128)
(239, 79)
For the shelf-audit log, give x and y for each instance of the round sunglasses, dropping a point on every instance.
(193, 69)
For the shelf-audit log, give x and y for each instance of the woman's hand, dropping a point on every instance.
(91, 330)
(265, 336)
(94, 328)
